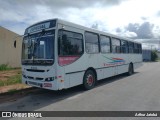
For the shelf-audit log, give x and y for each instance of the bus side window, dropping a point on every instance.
(92, 42)
(124, 46)
(70, 43)
(131, 47)
(105, 43)
(139, 48)
(116, 45)
(135, 47)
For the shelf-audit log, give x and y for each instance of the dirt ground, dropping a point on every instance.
(13, 96)
(15, 91)
(4, 75)
(4, 89)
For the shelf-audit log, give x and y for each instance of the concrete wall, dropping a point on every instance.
(146, 54)
(8, 53)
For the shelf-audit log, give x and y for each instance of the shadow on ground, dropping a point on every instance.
(38, 98)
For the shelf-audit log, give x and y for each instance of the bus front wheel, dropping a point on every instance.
(89, 80)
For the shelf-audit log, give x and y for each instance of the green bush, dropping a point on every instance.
(11, 80)
(5, 67)
(154, 55)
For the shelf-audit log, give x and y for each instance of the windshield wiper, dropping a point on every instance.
(34, 46)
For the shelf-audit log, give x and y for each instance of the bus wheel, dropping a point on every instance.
(130, 69)
(89, 80)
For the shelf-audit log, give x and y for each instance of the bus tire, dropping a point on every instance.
(89, 80)
(130, 69)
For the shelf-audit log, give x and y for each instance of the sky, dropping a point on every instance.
(136, 19)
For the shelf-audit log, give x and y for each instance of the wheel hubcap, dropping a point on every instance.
(90, 80)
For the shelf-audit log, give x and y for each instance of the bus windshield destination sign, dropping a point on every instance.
(41, 26)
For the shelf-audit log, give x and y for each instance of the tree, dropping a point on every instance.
(154, 55)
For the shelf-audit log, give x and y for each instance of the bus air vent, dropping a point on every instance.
(30, 77)
(32, 70)
(39, 78)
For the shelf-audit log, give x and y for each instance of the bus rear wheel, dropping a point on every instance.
(130, 69)
(89, 80)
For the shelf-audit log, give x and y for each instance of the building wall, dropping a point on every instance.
(146, 54)
(8, 53)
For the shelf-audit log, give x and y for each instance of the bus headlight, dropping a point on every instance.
(23, 74)
(49, 79)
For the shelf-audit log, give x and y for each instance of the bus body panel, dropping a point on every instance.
(105, 64)
(37, 79)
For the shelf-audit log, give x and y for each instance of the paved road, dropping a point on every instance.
(139, 92)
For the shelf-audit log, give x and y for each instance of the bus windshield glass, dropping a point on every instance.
(38, 48)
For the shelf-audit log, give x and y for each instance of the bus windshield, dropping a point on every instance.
(38, 48)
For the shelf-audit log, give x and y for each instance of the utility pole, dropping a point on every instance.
(151, 47)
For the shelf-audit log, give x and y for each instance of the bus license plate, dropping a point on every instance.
(35, 83)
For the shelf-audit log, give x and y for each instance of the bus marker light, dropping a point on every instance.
(61, 80)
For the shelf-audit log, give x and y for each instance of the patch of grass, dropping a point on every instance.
(5, 67)
(158, 60)
(11, 80)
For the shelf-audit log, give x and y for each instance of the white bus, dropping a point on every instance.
(57, 55)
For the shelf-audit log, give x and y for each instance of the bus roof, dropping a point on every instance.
(66, 23)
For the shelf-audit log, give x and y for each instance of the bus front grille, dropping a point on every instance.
(37, 78)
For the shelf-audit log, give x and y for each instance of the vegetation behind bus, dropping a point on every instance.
(9, 75)
(154, 55)
(5, 67)
(11, 80)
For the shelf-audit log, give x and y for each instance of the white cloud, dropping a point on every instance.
(108, 14)
(149, 46)
(127, 34)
